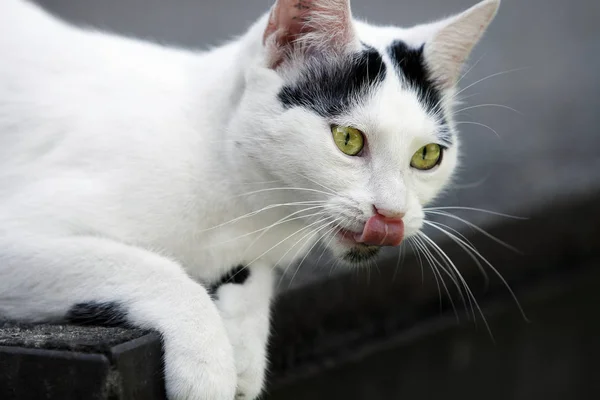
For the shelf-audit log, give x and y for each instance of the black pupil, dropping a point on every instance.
(424, 152)
(347, 139)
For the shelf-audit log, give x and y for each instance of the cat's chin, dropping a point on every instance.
(360, 254)
(354, 254)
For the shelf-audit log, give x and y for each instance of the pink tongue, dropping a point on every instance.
(381, 231)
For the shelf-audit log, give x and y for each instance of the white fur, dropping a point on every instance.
(245, 313)
(127, 168)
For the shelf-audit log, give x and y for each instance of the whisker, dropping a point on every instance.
(327, 245)
(435, 266)
(466, 286)
(258, 182)
(277, 244)
(477, 228)
(333, 266)
(269, 207)
(496, 272)
(447, 269)
(400, 261)
(488, 105)
(455, 231)
(416, 250)
(435, 272)
(471, 184)
(322, 243)
(308, 252)
(235, 140)
(463, 98)
(469, 70)
(331, 191)
(284, 188)
(286, 238)
(439, 226)
(312, 232)
(285, 221)
(489, 77)
(474, 209)
(265, 229)
(478, 124)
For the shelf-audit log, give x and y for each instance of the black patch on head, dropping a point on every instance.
(97, 314)
(411, 66)
(361, 253)
(413, 69)
(237, 275)
(331, 87)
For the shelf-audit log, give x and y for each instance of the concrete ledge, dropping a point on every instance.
(385, 331)
(69, 362)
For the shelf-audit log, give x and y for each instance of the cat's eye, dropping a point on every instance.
(427, 157)
(349, 140)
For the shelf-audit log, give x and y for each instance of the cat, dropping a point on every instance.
(133, 176)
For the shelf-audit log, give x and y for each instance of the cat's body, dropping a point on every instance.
(139, 153)
(126, 167)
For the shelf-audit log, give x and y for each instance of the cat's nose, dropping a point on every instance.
(391, 214)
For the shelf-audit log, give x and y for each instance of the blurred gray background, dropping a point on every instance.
(553, 44)
(546, 54)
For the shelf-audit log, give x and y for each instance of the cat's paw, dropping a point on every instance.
(250, 361)
(208, 373)
(250, 382)
(246, 320)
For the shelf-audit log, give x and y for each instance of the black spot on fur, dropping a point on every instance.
(98, 314)
(361, 253)
(237, 275)
(331, 87)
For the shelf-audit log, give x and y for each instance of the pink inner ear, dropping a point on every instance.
(288, 19)
(328, 20)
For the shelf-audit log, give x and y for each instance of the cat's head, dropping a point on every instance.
(359, 115)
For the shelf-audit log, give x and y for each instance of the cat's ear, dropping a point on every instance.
(300, 26)
(454, 38)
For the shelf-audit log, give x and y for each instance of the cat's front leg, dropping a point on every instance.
(86, 278)
(245, 309)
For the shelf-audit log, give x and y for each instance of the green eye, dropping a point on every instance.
(349, 140)
(427, 157)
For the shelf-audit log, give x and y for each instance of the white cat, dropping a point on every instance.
(133, 175)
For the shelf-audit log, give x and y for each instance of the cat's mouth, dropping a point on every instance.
(377, 231)
(348, 236)
(358, 252)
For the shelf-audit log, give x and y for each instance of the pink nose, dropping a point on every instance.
(389, 213)
(381, 230)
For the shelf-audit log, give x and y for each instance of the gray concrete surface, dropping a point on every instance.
(88, 339)
(546, 52)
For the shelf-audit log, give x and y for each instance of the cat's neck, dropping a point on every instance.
(226, 66)
(221, 93)
(220, 83)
